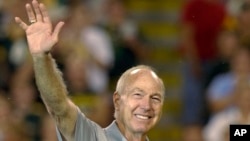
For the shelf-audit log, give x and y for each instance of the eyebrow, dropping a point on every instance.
(158, 95)
(137, 89)
(140, 90)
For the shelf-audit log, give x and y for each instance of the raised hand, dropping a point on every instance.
(40, 35)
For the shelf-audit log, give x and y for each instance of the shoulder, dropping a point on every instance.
(86, 129)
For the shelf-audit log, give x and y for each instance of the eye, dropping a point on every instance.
(156, 99)
(137, 95)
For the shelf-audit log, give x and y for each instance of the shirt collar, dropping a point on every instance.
(114, 133)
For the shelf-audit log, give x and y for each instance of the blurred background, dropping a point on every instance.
(200, 48)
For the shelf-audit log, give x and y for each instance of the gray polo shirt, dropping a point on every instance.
(87, 130)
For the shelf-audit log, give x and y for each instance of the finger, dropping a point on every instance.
(44, 13)
(30, 13)
(57, 30)
(23, 25)
(37, 11)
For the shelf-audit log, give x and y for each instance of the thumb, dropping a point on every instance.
(57, 30)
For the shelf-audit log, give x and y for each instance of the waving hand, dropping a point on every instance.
(40, 35)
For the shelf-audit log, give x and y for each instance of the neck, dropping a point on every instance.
(135, 137)
(130, 135)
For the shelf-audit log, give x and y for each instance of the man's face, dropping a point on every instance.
(139, 107)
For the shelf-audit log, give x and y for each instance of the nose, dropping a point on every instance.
(146, 104)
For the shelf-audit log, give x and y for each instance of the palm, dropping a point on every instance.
(40, 35)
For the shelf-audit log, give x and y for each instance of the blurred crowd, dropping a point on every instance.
(100, 41)
(215, 46)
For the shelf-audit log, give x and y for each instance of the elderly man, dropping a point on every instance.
(138, 99)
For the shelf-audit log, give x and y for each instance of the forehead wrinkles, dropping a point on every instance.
(137, 73)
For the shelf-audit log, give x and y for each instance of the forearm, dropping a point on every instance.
(50, 84)
(54, 94)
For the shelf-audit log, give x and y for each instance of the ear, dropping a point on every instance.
(116, 100)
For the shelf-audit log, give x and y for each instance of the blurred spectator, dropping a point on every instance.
(218, 127)
(220, 91)
(227, 44)
(9, 131)
(126, 38)
(13, 48)
(74, 69)
(92, 46)
(202, 21)
(199, 48)
(26, 110)
(5, 44)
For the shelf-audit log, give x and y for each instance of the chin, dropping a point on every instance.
(141, 128)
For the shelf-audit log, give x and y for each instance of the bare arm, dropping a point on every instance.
(41, 38)
(54, 94)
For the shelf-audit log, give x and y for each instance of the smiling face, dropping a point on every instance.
(139, 107)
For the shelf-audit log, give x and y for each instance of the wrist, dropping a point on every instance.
(36, 56)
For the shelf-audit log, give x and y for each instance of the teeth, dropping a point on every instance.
(142, 117)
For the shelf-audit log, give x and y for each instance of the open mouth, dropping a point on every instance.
(143, 117)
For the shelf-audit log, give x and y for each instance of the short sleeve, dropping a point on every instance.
(85, 130)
